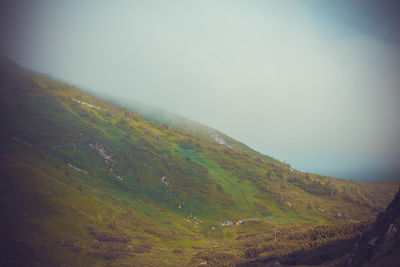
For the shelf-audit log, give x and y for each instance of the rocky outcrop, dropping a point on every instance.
(381, 245)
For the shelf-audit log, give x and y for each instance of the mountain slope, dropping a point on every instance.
(179, 122)
(86, 182)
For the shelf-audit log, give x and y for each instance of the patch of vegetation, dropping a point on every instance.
(287, 245)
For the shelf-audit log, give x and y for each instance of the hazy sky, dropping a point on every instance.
(315, 83)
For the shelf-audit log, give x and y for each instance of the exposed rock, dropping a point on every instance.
(76, 168)
(391, 231)
(119, 177)
(102, 151)
(86, 104)
(166, 182)
(219, 139)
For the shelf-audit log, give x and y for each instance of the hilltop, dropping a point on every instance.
(85, 182)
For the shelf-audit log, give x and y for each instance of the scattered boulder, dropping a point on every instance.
(166, 182)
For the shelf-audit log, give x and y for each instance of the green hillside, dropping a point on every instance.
(87, 183)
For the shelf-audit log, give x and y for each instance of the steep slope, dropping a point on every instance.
(381, 245)
(86, 182)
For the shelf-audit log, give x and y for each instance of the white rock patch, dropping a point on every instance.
(166, 182)
(86, 104)
(102, 151)
(219, 139)
(76, 168)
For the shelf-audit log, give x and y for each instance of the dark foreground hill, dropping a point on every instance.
(87, 183)
(381, 245)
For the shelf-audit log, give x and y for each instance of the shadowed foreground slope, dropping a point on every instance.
(381, 245)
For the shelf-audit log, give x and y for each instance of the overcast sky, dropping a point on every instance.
(315, 83)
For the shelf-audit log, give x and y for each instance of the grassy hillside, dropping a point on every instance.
(86, 182)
